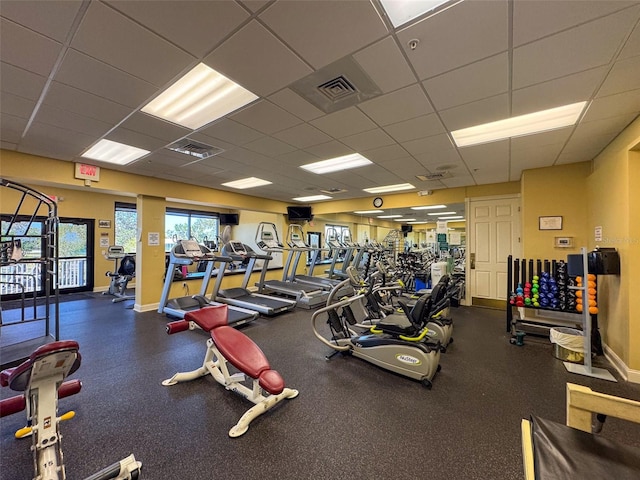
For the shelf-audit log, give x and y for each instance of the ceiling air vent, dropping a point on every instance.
(337, 88)
(433, 176)
(195, 149)
(338, 85)
(333, 191)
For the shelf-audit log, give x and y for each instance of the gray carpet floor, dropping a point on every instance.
(351, 419)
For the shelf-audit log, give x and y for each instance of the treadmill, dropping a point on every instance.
(241, 296)
(297, 244)
(187, 252)
(307, 296)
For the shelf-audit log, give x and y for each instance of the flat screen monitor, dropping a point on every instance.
(299, 213)
(229, 219)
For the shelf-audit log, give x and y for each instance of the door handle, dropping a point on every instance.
(472, 257)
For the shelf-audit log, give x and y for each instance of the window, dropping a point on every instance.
(126, 225)
(185, 224)
(180, 224)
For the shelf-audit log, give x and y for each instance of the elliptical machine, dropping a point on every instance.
(121, 275)
(409, 353)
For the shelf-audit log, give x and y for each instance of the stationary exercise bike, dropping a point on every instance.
(41, 378)
(228, 345)
(121, 275)
(408, 352)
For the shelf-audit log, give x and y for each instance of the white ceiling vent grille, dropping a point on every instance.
(337, 88)
(433, 176)
(333, 191)
(195, 149)
(339, 85)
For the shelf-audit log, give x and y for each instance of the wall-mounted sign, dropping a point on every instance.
(550, 223)
(87, 172)
(598, 234)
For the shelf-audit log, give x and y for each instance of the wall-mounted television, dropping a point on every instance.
(229, 219)
(407, 228)
(299, 213)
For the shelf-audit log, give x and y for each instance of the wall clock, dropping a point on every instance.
(377, 202)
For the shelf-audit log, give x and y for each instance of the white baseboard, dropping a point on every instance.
(146, 308)
(628, 374)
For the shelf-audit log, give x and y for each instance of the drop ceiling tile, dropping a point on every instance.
(581, 48)
(296, 158)
(393, 73)
(303, 136)
(74, 100)
(135, 139)
(154, 127)
(369, 139)
(605, 125)
(71, 121)
(11, 127)
(553, 137)
(451, 162)
(85, 73)
(265, 117)
(614, 105)
(344, 123)
(577, 87)
(49, 148)
(485, 27)
(255, 5)
(332, 149)
(577, 156)
(473, 82)
(585, 142)
(15, 105)
(534, 20)
(461, 181)
(269, 146)
(16, 40)
(195, 26)
(52, 19)
(487, 156)
(322, 35)
(632, 47)
(130, 48)
(476, 113)
(21, 82)
(232, 132)
(409, 102)
(491, 175)
(414, 128)
(7, 145)
(526, 159)
(267, 64)
(624, 76)
(434, 144)
(295, 104)
(385, 154)
(44, 136)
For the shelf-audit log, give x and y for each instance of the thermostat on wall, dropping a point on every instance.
(564, 242)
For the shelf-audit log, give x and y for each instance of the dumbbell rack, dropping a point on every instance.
(587, 368)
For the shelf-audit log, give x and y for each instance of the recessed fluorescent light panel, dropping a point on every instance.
(312, 198)
(389, 188)
(442, 213)
(402, 11)
(528, 124)
(250, 182)
(345, 162)
(389, 216)
(364, 212)
(201, 96)
(451, 218)
(405, 220)
(114, 152)
(417, 223)
(428, 207)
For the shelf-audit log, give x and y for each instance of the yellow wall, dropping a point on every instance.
(554, 191)
(614, 199)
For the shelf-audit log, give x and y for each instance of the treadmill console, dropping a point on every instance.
(192, 249)
(296, 241)
(237, 247)
(267, 241)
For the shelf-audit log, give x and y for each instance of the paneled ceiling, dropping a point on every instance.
(75, 72)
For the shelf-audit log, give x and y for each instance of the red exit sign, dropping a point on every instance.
(87, 172)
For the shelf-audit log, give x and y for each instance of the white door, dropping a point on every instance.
(494, 234)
